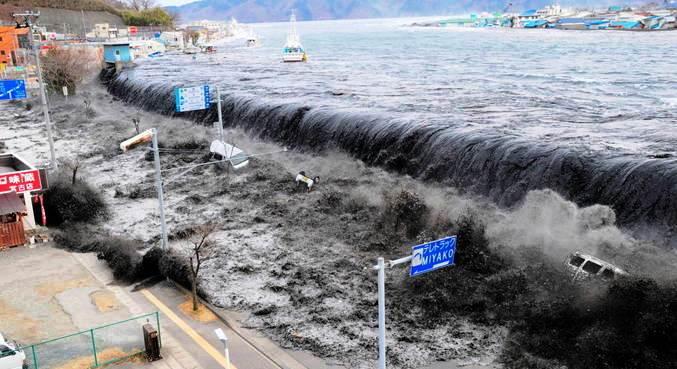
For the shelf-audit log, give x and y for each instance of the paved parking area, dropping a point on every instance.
(46, 293)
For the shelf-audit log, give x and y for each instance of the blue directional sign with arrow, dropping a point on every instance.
(433, 255)
(13, 89)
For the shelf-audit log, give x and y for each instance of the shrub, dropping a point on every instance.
(68, 202)
(67, 67)
(148, 17)
(122, 255)
(175, 267)
(405, 212)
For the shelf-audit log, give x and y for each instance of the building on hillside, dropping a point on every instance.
(550, 10)
(13, 39)
(102, 31)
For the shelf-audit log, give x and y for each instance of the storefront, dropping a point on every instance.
(23, 183)
(12, 213)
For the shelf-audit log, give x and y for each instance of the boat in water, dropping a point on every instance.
(252, 39)
(293, 50)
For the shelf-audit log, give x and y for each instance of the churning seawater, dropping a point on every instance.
(601, 90)
(498, 112)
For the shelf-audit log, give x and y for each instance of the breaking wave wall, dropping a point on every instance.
(642, 191)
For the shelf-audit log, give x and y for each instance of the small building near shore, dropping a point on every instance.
(117, 52)
(12, 212)
(21, 185)
(11, 40)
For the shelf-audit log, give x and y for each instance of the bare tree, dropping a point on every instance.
(137, 122)
(73, 165)
(141, 4)
(202, 249)
(174, 16)
(191, 37)
(67, 67)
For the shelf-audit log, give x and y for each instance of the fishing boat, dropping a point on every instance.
(293, 50)
(252, 39)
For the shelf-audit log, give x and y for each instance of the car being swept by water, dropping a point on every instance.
(583, 266)
(11, 355)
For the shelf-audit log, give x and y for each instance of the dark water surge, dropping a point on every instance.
(642, 191)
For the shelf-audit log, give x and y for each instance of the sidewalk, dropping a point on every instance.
(188, 343)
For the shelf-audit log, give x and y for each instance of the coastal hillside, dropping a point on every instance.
(79, 5)
(273, 10)
(78, 16)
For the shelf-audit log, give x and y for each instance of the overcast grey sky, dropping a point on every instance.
(174, 2)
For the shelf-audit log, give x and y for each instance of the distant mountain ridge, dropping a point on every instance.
(279, 10)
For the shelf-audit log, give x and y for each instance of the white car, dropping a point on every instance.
(583, 266)
(11, 355)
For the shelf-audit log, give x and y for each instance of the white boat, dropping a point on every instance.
(252, 39)
(293, 50)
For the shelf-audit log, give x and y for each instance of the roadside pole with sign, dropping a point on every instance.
(187, 99)
(45, 106)
(13, 89)
(424, 258)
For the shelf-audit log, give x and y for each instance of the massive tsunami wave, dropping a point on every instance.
(504, 166)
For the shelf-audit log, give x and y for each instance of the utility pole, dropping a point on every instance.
(43, 95)
(424, 258)
(381, 313)
(218, 106)
(84, 28)
(160, 193)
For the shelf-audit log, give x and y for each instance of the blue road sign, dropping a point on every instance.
(432, 255)
(12, 89)
(192, 98)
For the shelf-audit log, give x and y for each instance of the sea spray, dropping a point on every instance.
(503, 168)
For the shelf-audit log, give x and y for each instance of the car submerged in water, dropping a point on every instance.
(583, 266)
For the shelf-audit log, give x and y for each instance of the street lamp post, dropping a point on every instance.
(224, 339)
(144, 137)
(160, 192)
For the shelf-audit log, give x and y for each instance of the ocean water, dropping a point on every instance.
(496, 112)
(608, 91)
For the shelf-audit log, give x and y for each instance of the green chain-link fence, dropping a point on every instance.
(94, 347)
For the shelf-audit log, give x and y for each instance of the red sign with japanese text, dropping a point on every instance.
(24, 181)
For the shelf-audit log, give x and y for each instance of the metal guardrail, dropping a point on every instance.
(92, 348)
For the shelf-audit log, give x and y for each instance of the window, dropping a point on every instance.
(608, 274)
(2, 52)
(591, 267)
(576, 260)
(6, 351)
(117, 52)
(0, 38)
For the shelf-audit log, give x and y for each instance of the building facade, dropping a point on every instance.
(11, 40)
